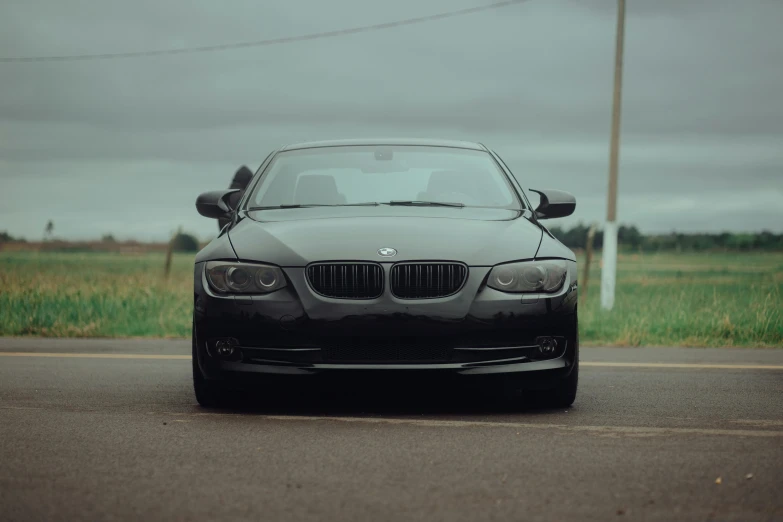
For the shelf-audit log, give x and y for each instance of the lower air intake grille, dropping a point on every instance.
(390, 350)
(427, 280)
(346, 280)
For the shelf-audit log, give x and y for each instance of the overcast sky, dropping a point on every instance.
(125, 146)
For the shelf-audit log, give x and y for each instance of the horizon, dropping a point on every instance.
(550, 224)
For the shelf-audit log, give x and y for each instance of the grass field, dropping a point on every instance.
(662, 299)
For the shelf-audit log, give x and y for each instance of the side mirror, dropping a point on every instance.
(215, 204)
(554, 204)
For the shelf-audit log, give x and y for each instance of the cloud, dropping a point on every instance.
(702, 116)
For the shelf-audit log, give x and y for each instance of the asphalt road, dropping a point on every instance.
(109, 430)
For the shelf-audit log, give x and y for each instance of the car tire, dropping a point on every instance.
(209, 393)
(557, 393)
(563, 394)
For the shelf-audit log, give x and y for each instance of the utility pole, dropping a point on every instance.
(609, 270)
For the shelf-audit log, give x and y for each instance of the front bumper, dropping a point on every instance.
(296, 331)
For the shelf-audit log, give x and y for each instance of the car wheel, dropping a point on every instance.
(563, 394)
(559, 393)
(209, 393)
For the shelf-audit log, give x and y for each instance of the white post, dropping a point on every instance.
(609, 269)
(609, 257)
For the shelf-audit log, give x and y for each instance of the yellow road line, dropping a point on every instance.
(683, 365)
(692, 366)
(95, 355)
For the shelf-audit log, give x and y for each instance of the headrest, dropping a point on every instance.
(317, 189)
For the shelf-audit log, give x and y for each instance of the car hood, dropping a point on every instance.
(296, 237)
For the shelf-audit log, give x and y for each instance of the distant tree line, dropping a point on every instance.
(5, 237)
(181, 242)
(630, 238)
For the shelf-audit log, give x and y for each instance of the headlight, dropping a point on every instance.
(530, 276)
(244, 278)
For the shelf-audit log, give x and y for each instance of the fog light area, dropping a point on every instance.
(547, 346)
(226, 349)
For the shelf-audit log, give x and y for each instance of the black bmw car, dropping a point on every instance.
(385, 255)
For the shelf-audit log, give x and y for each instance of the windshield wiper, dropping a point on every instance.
(311, 205)
(425, 204)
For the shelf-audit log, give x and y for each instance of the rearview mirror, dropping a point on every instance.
(554, 204)
(215, 204)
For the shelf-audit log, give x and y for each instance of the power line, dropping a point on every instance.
(265, 43)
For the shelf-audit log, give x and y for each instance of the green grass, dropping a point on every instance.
(689, 300)
(94, 295)
(662, 299)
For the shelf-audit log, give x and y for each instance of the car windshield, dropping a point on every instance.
(407, 175)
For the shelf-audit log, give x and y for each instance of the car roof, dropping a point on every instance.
(422, 142)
